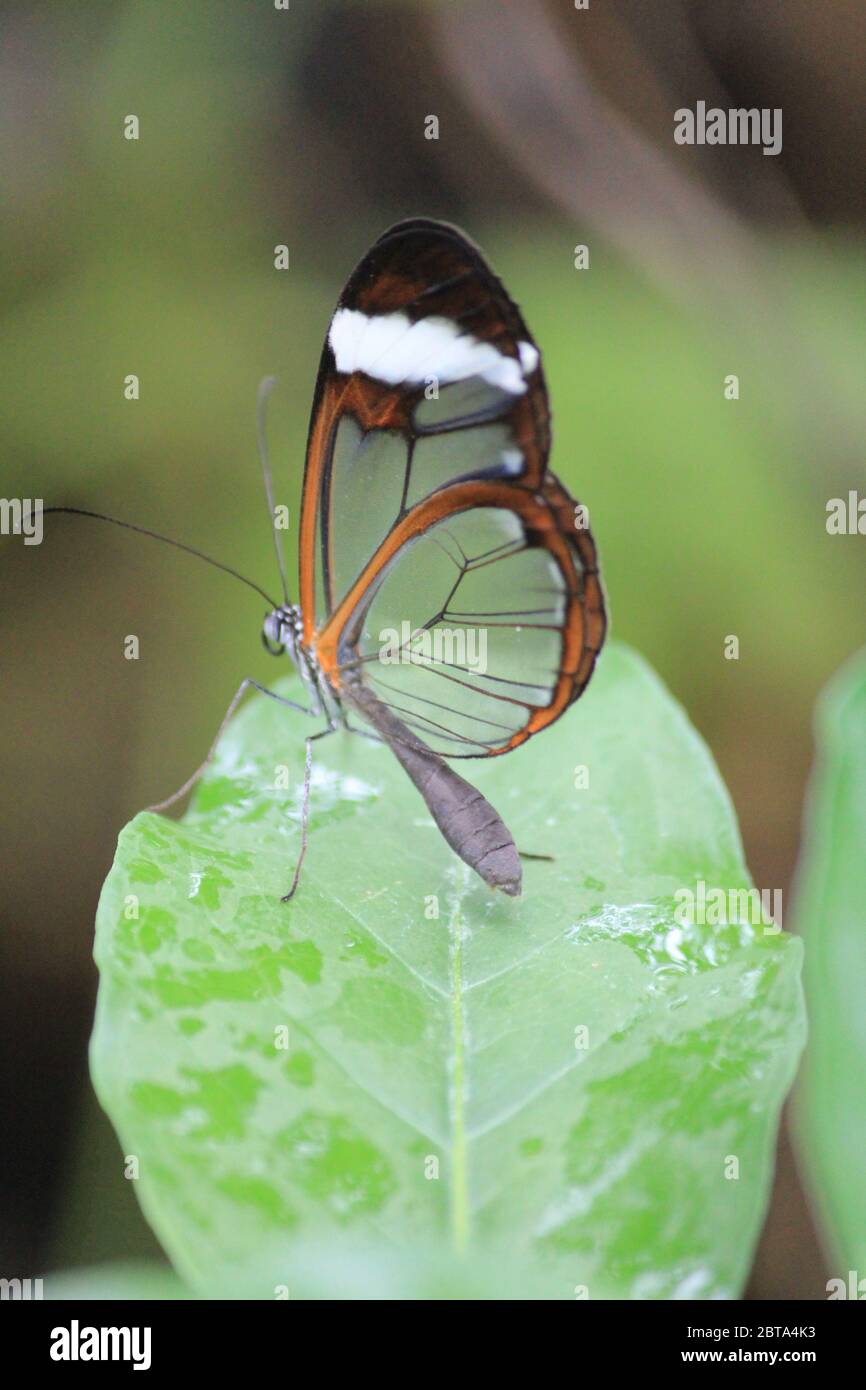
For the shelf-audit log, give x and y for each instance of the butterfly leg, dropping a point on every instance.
(362, 733)
(245, 684)
(305, 806)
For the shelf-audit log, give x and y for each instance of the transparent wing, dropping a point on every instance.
(482, 629)
(376, 476)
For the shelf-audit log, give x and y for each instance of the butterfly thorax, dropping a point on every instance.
(282, 632)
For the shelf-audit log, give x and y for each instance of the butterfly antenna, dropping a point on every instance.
(266, 387)
(155, 535)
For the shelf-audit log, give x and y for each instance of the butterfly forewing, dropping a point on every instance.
(428, 375)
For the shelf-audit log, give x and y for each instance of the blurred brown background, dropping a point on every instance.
(306, 127)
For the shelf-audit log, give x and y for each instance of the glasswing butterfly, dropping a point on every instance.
(449, 586)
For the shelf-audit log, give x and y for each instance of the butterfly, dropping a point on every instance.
(449, 599)
(430, 521)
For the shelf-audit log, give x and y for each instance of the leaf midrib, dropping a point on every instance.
(459, 1192)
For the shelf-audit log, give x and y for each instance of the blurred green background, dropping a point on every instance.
(305, 127)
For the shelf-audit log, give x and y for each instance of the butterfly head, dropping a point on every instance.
(281, 631)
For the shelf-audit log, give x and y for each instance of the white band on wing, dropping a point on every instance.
(392, 349)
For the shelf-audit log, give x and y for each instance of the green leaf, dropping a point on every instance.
(133, 1279)
(831, 914)
(579, 1068)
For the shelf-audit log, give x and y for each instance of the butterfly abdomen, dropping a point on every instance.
(471, 826)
